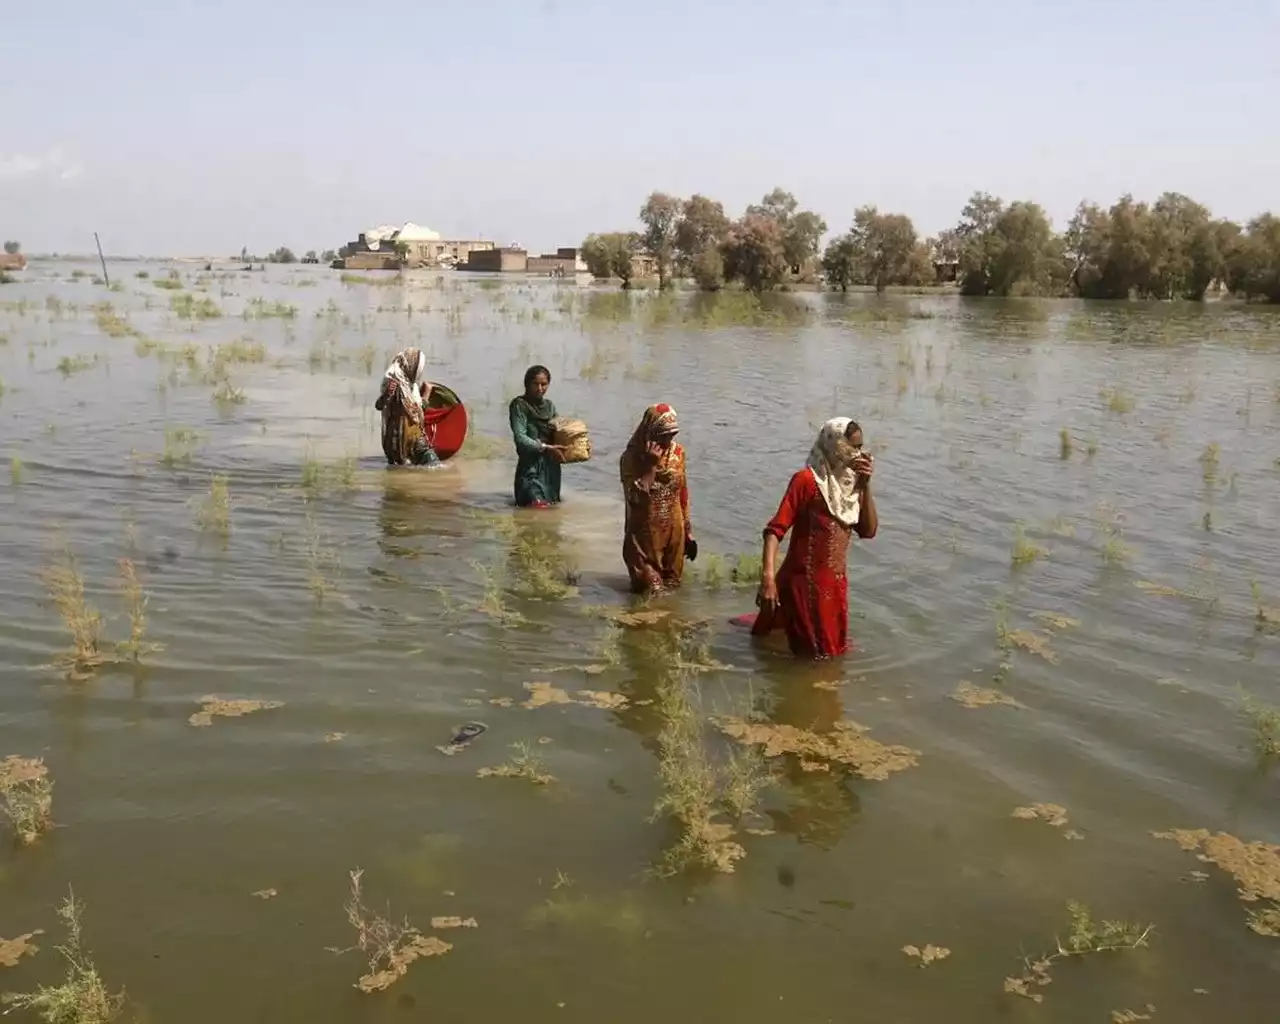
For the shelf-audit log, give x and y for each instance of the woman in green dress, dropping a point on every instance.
(538, 461)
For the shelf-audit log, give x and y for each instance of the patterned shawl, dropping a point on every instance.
(831, 463)
(406, 371)
(658, 420)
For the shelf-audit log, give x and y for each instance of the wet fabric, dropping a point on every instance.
(402, 400)
(813, 588)
(831, 463)
(657, 514)
(537, 472)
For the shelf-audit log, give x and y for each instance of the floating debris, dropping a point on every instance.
(542, 694)
(398, 962)
(524, 765)
(1035, 976)
(848, 744)
(390, 947)
(501, 702)
(441, 923)
(462, 737)
(1255, 867)
(981, 696)
(214, 706)
(335, 737)
(1159, 589)
(1129, 1016)
(930, 954)
(604, 699)
(647, 617)
(13, 950)
(266, 894)
(1050, 814)
(1032, 643)
(1055, 620)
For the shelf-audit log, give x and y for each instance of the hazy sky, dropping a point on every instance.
(175, 127)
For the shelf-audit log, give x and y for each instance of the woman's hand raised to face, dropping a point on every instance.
(655, 451)
(864, 465)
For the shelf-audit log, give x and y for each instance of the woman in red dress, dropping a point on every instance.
(826, 503)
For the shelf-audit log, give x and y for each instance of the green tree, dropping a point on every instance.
(1254, 263)
(708, 269)
(1008, 250)
(840, 263)
(883, 244)
(703, 227)
(282, 255)
(610, 255)
(328, 256)
(780, 205)
(802, 230)
(1028, 258)
(13, 248)
(660, 216)
(802, 237)
(977, 243)
(755, 252)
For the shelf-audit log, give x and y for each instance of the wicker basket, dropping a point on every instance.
(572, 434)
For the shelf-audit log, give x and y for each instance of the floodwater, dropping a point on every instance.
(383, 609)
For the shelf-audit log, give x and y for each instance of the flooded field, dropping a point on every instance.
(1069, 630)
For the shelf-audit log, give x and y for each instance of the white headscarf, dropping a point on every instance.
(831, 463)
(406, 370)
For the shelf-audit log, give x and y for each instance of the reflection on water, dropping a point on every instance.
(382, 609)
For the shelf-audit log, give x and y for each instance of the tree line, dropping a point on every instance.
(1173, 248)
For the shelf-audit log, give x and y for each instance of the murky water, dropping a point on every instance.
(383, 606)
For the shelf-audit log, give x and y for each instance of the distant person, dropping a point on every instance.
(402, 402)
(659, 533)
(538, 461)
(826, 503)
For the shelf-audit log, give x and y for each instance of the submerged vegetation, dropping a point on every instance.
(26, 796)
(82, 997)
(390, 947)
(1086, 936)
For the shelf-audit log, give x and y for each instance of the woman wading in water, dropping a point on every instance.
(826, 503)
(538, 462)
(659, 534)
(402, 403)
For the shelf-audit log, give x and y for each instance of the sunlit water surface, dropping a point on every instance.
(165, 830)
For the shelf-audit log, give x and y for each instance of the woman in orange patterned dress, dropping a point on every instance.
(826, 503)
(659, 533)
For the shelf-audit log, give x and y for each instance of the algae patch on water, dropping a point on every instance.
(981, 697)
(930, 954)
(1255, 867)
(542, 694)
(13, 950)
(1050, 814)
(216, 707)
(848, 744)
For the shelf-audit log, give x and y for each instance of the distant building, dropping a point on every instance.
(12, 261)
(422, 246)
(564, 262)
(507, 260)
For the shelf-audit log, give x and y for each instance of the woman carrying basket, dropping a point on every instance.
(538, 461)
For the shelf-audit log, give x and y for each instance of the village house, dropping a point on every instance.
(381, 247)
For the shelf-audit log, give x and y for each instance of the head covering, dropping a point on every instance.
(831, 463)
(658, 421)
(406, 371)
